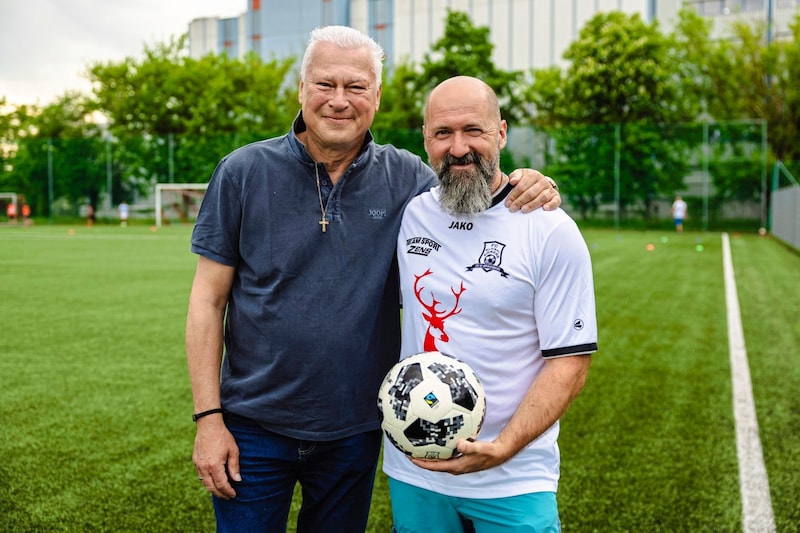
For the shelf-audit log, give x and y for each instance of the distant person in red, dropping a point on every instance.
(90, 215)
(26, 215)
(11, 213)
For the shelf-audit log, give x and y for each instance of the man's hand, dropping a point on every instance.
(216, 456)
(532, 190)
(474, 456)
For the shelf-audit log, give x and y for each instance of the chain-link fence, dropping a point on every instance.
(619, 175)
(785, 212)
(629, 174)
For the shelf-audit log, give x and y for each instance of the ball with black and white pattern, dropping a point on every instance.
(428, 402)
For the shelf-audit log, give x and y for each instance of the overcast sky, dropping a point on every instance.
(47, 45)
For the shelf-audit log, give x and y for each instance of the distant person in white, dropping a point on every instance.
(123, 213)
(679, 209)
(512, 296)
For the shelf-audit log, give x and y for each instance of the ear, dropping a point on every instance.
(300, 92)
(378, 98)
(503, 132)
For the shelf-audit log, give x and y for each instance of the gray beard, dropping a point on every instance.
(466, 192)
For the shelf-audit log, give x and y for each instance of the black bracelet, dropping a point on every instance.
(198, 416)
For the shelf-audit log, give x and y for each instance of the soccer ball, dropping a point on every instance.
(430, 401)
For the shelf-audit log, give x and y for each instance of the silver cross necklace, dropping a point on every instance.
(323, 221)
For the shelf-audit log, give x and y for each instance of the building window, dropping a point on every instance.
(727, 7)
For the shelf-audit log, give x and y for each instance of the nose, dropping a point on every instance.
(460, 145)
(339, 98)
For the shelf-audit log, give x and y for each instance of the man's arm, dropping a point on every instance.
(546, 401)
(214, 446)
(532, 190)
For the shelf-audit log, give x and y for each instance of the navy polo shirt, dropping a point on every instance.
(312, 323)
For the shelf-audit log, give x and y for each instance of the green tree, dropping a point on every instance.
(770, 94)
(621, 93)
(175, 116)
(59, 136)
(9, 122)
(465, 49)
(399, 119)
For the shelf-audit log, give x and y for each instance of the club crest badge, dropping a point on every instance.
(490, 258)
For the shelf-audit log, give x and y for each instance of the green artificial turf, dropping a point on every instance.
(95, 405)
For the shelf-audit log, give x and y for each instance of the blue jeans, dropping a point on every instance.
(336, 478)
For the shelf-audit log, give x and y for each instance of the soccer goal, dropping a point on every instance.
(6, 199)
(178, 202)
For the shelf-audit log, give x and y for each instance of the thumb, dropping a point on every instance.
(233, 466)
(466, 446)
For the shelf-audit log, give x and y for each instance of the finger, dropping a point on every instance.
(221, 483)
(233, 466)
(554, 202)
(466, 446)
(532, 191)
(209, 483)
(524, 199)
(519, 173)
(513, 178)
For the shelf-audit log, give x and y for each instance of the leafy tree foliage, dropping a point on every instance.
(611, 115)
(621, 75)
(463, 49)
(770, 93)
(168, 118)
(466, 50)
(399, 120)
(176, 116)
(57, 139)
(771, 71)
(9, 130)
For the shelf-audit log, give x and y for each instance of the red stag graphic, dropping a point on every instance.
(434, 317)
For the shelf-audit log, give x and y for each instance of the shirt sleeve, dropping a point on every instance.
(216, 231)
(564, 305)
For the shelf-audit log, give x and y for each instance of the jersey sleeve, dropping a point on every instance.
(564, 305)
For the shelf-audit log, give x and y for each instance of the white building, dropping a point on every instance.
(525, 33)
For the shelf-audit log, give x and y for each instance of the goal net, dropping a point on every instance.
(6, 199)
(178, 203)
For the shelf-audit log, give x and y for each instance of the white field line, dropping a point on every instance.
(757, 516)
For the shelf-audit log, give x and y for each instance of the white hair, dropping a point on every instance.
(346, 38)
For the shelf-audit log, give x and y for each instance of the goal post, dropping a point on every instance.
(7, 198)
(178, 202)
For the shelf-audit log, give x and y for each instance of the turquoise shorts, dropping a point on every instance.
(416, 510)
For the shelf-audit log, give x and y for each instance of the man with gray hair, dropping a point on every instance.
(293, 315)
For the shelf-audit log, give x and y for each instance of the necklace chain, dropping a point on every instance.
(323, 221)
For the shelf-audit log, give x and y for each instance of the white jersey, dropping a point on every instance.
(501, 291)
(679, 208)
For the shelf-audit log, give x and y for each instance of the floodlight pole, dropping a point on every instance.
(766, 221)
(617, 149)
(171, 161)
(765, 218)
(706, 149)
(770, 15)
(50, 176)
(108, 173)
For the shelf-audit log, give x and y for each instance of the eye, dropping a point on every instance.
(357, 89)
